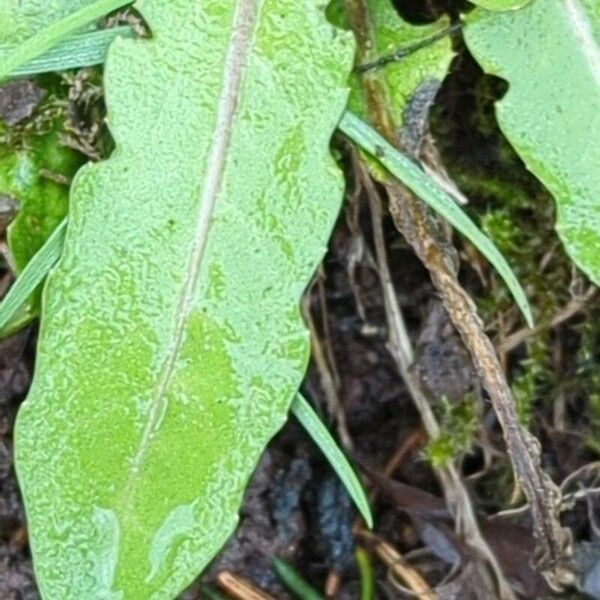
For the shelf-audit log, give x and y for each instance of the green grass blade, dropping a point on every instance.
(49, 37)
(33, 274)
(294, 581)
(309, 419)
(411, 175)
(367, 579)
(82, 50)
(209, 593)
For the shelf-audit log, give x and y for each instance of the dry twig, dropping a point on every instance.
(400, 348)
(413, 219)
(400, 567)
(240, 588)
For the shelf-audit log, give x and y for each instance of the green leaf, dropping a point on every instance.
(318, 432)
(171, 344)
(430, 192)
(501, 5)
(367, 576)
(30, 171)
(81, 50)
(403, 77)
(33, 18)
(549, 53)
(33, 274)
(20, 19)
(37, 270)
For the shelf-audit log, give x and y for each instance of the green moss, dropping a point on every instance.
(514, 209)
(458, 424)
(535, 376)
(36, 170)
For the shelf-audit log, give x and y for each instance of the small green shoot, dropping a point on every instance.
(304, 412)
(294, 581)
(367, 577)
(209, 593)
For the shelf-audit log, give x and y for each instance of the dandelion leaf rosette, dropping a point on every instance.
(171, 343)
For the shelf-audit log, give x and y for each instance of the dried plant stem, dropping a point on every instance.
(455, 493)
(543, 495)
(412, 218)
(325, 362)
(400, 567)
(567, 312)
(239, 588)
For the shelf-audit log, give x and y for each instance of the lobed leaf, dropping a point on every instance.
(432, 63)
(549, 53)
(171, 344)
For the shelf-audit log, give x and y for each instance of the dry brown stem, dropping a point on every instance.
(414, 221)
(402, 570)
(240, 588)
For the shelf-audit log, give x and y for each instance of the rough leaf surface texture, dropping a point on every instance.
(20, 19)
(549, 52)
(171, 343)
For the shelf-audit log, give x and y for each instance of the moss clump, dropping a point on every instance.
(458, 423)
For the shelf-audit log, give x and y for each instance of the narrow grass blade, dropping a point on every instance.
(82, 50)
(208, 593)
(367, 579)
(49, 37)
(33, 274)
(428, 190)
(318, 432)
(294, 581)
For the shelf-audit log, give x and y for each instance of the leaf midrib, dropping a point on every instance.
(242, 37)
